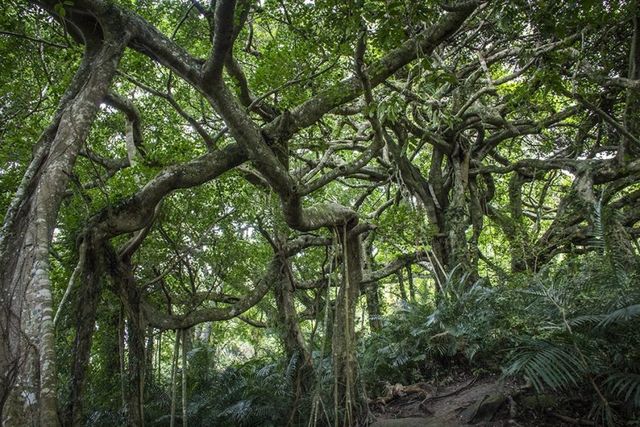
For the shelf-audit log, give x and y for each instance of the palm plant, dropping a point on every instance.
(584, 339)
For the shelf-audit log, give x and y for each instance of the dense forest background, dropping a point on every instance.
(285, 212)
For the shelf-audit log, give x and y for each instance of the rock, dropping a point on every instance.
(484, 409)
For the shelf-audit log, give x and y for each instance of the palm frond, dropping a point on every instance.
(586, 319)
(598, 240)
(623, 314)
(547, 364)
(292, 366)
(624, 385)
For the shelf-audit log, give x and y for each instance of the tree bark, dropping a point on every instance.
(27, 355)
(136, 327)
(85, 309)
(174, 376)
(149, 352)
(412, 285)
(518, 239)
(350, 404)
(186, 343)
(295, 347)
(401, 288)
(373, 306)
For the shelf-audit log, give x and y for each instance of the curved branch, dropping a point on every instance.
(135, 212)
(222, 42)
(134, 129)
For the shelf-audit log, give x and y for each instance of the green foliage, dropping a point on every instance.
(570, 327)
(566, 329)
(254, 393)
(423, 341)
(625, 385)
(573, 347)
(547, 364)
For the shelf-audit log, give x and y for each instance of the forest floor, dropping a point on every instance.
(467, 401)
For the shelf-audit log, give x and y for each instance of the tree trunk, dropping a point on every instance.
(131, 299)
(348, 393)
(519, 237)
(403, 290)
(85, 309)
(373, 307)
(174, 376)
(295, 347)
(136, 339)
(107, 343)
(186, 343)
(136, 327)
(412, 285)
(122, 371)
(159, 357)
(456, 221)
(149, 353)
(27, 354)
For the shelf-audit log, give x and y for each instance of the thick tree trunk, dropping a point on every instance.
(457, 221)
(107, 344)
(349, 400)
(27, 354)
(159, 356)
(371, 289)
(518, 239)
(136, 327)
(85, 309)
(295, 347)
(373, 307)
(401, 288)
(412, 285)
(131, 298)
(121, 356)
(135, 404)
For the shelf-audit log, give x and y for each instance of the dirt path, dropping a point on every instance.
(466, 402)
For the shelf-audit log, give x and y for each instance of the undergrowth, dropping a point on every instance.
(570, 329)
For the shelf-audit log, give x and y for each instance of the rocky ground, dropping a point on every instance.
(467, 401)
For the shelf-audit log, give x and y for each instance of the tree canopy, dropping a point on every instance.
(216, 180)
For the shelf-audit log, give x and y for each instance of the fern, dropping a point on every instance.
(586, 319)
(621, 315)
(291, 367)
(239, 411)
(547, 364)
(603, 414)
(624, 385)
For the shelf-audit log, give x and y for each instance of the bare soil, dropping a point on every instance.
(468, 401)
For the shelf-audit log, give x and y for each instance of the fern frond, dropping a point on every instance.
(603, 414)
(291, 366)
(239, 410)
(620, 315)
(547, 364)
(266, 370)
(586, 319)
(598, 240)
(626, 386)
